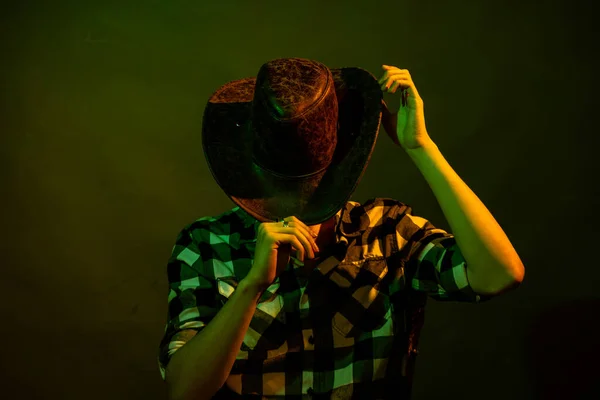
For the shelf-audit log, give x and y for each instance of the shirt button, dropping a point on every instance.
(311, 339)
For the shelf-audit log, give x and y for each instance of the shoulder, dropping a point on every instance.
(394, 214)
(208, 228)
(378, 207)
(372, 213)
(203, 238)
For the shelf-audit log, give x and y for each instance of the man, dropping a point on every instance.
(297, 292)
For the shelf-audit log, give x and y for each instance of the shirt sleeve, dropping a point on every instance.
(191, 299)
(440, 270)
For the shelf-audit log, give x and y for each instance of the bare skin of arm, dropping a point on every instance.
(200, 368)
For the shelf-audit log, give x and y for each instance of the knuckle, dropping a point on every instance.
(307, 244)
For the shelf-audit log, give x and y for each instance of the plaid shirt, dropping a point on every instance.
(345, 330)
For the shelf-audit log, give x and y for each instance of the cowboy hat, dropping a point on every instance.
(294, 140)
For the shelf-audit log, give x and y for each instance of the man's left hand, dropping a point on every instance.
(407, 126)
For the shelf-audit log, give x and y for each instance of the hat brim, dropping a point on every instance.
(227, 145)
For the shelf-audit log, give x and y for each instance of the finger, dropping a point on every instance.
(405, 77)
(301, 224)
(399, 81)
(390, 72)
(403, 82)
(394, 86)
(294, 241)
(383, 77)
(392, 68)
(384, 85)
(400, 74)
(393, 77)
(306, 231)
(306, 244)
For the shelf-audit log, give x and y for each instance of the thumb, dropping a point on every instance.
(388, 120)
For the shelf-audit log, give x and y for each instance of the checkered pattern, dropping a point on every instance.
(346, 329)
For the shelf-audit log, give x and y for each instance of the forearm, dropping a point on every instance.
(199, 368)
(492, 263)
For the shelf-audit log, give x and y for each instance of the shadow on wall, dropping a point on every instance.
(564, 351)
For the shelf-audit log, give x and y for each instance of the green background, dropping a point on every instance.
(102, 165)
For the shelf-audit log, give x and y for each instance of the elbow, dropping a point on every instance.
(512, 282)
(515, 277)
(495, 289)
(520, 274)
(507, 287)
(514, 273)
(510, 279)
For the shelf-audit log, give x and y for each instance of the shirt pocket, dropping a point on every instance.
(266, 332)
(360, 302)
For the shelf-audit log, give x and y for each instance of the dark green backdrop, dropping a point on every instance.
(101, 106)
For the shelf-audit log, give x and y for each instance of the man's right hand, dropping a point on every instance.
(273, 249)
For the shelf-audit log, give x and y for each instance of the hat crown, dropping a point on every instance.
(294, 117)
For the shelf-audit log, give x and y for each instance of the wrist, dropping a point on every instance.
(423, 152)
(252, 286)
